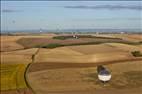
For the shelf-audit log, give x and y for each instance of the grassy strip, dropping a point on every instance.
(52, 45)
(136, 53)
(26, 79)
(12, 76)
(62, 37)
(26, 72)
(55, 45)
(82, 36)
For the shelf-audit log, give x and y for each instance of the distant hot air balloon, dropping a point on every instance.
(103, 74)
(40, 30)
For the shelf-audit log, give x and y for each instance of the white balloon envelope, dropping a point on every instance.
(104, 78)
(104, 75)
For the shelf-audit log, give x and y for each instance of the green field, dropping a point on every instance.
(82, 36)
(12, 76)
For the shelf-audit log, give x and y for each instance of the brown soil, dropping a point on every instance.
(8, 43)
(55, 65)
(102, 91)
(129, 37)
(43, 75)
(83, 80)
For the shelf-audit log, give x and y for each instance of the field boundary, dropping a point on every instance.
(26, 79)
(27, 70)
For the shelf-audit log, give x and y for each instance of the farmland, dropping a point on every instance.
(12, 76)
(80, 79)
(59, 41)
(58, 60)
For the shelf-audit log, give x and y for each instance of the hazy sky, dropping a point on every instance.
(26, 15)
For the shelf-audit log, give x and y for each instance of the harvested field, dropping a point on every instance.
(125, 47)
(86, 54)
(19, 56)
(12, 59)
(9, 46)
(58, 65)
(78, 80)
(70, 69)
(8, 43)
(94, 49)
(59, 51)
(129, 37)
(85, 58)
(30, 51)
(76, 66)
(9, 38)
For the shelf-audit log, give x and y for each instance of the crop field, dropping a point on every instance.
(12, 76)
(129, 37)
(68, 47)
(87, 53)
(70, 66)
(10, 59)
(125, 75)
(8, 43)
(59, 41)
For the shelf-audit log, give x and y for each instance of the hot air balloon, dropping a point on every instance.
(103, 74)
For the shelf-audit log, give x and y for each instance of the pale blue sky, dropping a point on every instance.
(28, 15)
